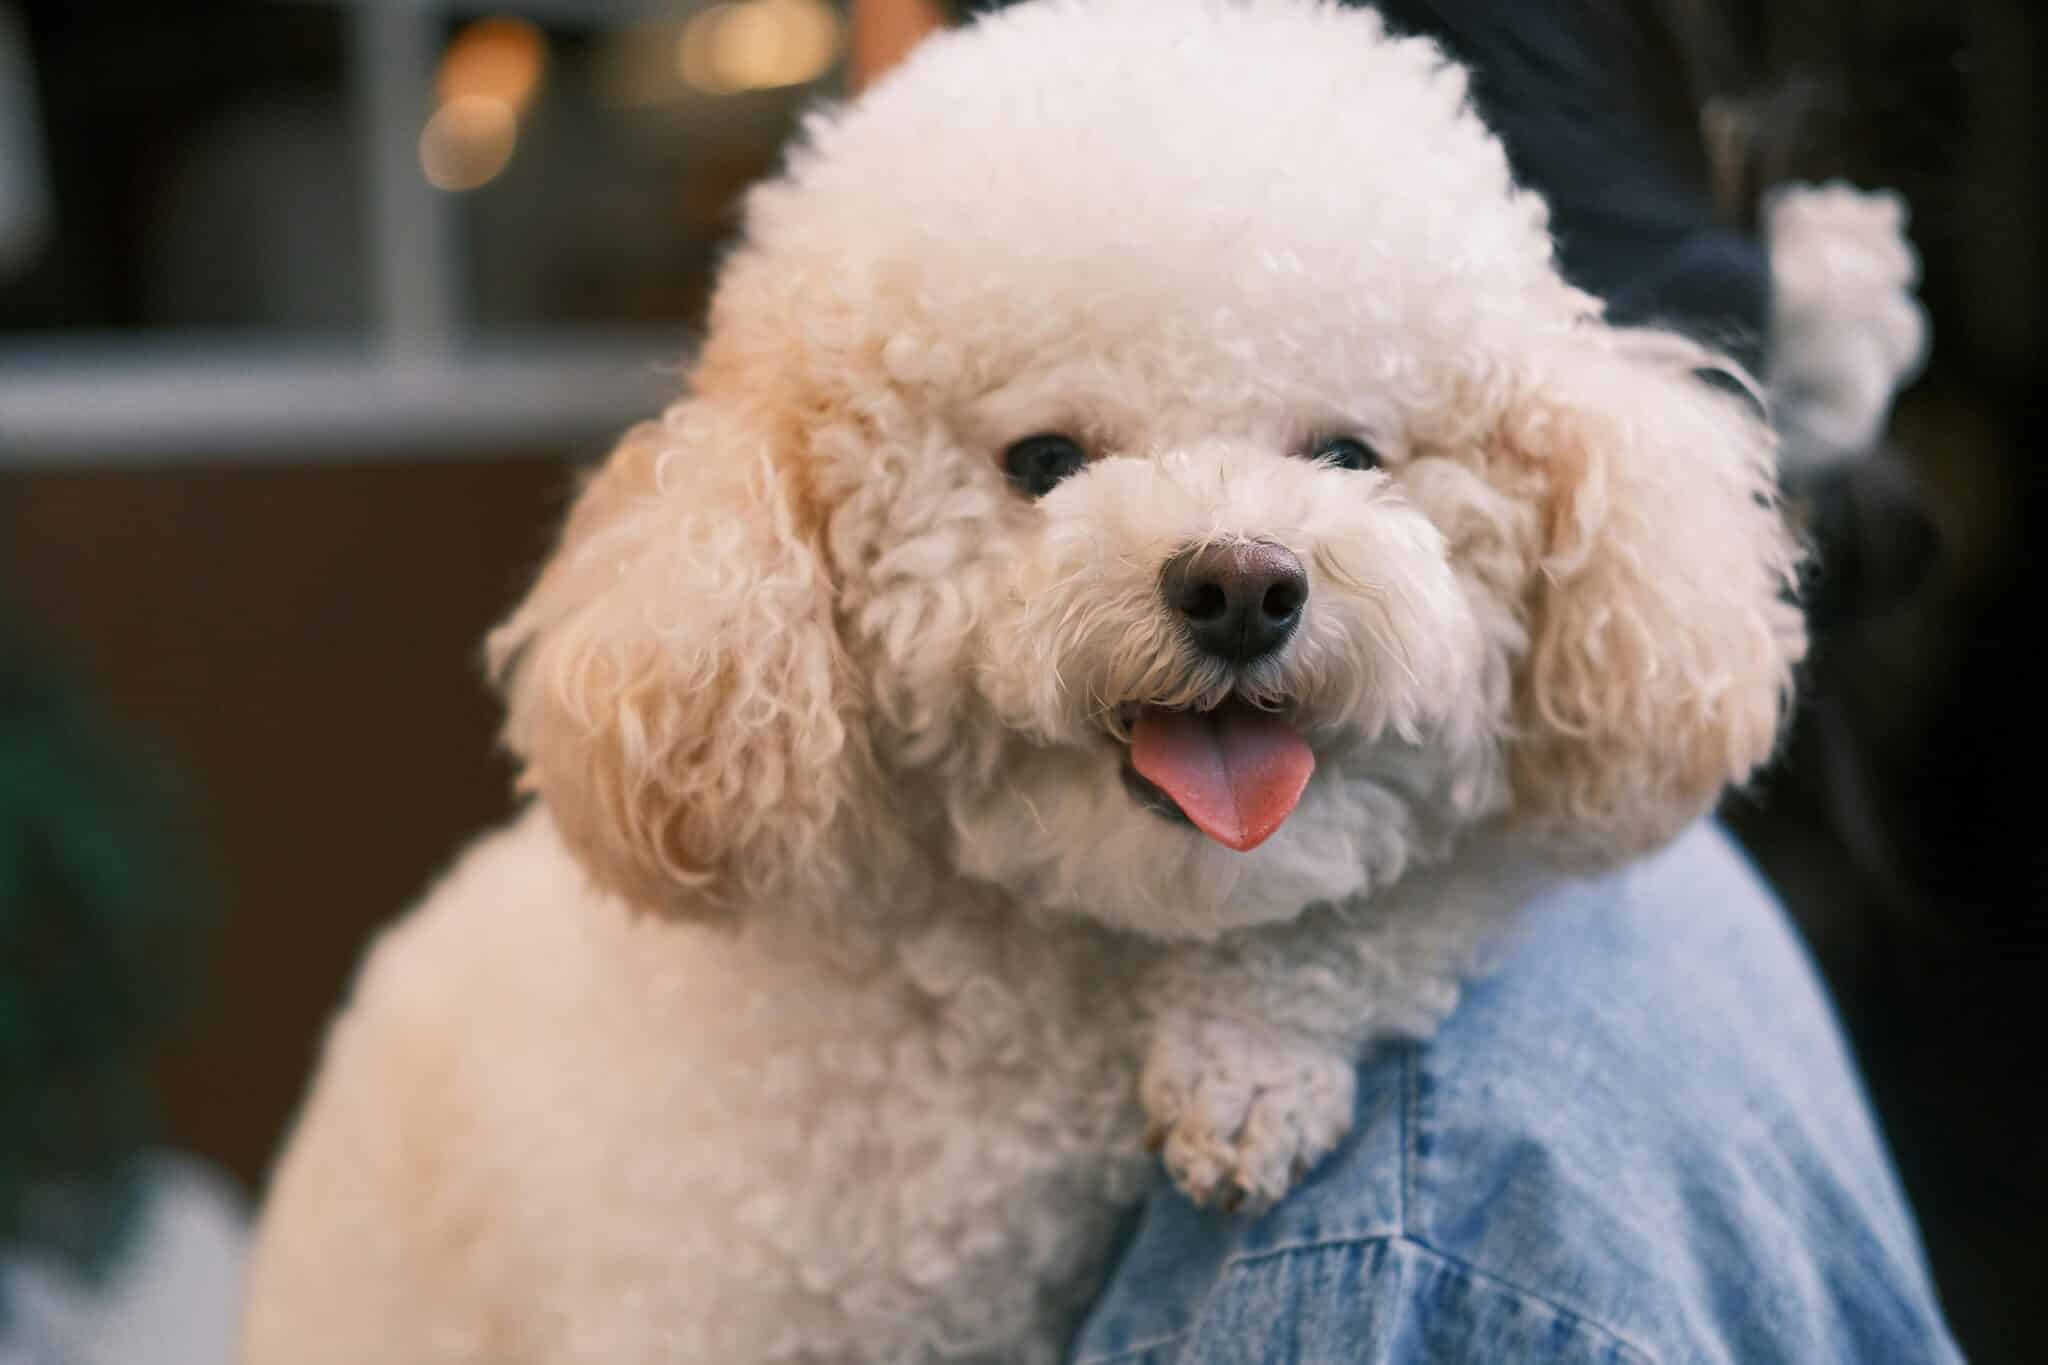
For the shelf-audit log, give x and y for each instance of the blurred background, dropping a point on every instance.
(310, 310)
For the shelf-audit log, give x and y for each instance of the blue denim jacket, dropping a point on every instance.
(1639, 1139)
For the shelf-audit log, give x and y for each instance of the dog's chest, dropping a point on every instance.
(922, 1162)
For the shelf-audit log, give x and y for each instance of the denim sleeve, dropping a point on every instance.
(1376, 1301)
(1639, 1138)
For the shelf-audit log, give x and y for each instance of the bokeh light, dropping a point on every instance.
(504, 59)
(758, 45)
(489, 74)
(467, 142)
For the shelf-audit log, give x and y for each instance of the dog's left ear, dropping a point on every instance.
(1663, 630)
(675, 686)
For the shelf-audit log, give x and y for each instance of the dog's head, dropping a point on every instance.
(1145, 455)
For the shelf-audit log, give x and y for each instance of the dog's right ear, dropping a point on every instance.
(676, 690)
(1663, 635)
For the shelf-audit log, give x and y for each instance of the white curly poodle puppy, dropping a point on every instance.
(1153, 561)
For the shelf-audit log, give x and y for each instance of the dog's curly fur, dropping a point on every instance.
(820, 1005)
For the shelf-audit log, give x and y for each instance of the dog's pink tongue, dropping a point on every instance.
(1237, 772)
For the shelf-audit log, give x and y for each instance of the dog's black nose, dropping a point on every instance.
(1239, 601)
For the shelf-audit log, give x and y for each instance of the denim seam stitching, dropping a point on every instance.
(1405, 1182)
(1134, 1350)
(1497, 1282)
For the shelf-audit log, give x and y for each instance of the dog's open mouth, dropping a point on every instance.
(1235, 773)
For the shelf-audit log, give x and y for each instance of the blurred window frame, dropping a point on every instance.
(419, 382)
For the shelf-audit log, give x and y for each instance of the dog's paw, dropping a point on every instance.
(1240, 1114)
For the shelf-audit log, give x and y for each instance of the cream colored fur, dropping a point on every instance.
(1847, 330)
(821, 1004)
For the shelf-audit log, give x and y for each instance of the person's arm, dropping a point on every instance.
(1590, 100)
(1598, 107)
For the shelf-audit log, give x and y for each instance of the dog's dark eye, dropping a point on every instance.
(1346, 452)
(1036, 463)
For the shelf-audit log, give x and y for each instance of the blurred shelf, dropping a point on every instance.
(125, 402)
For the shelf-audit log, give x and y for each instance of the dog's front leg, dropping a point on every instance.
(1241, 1109)
(1249, 1074)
